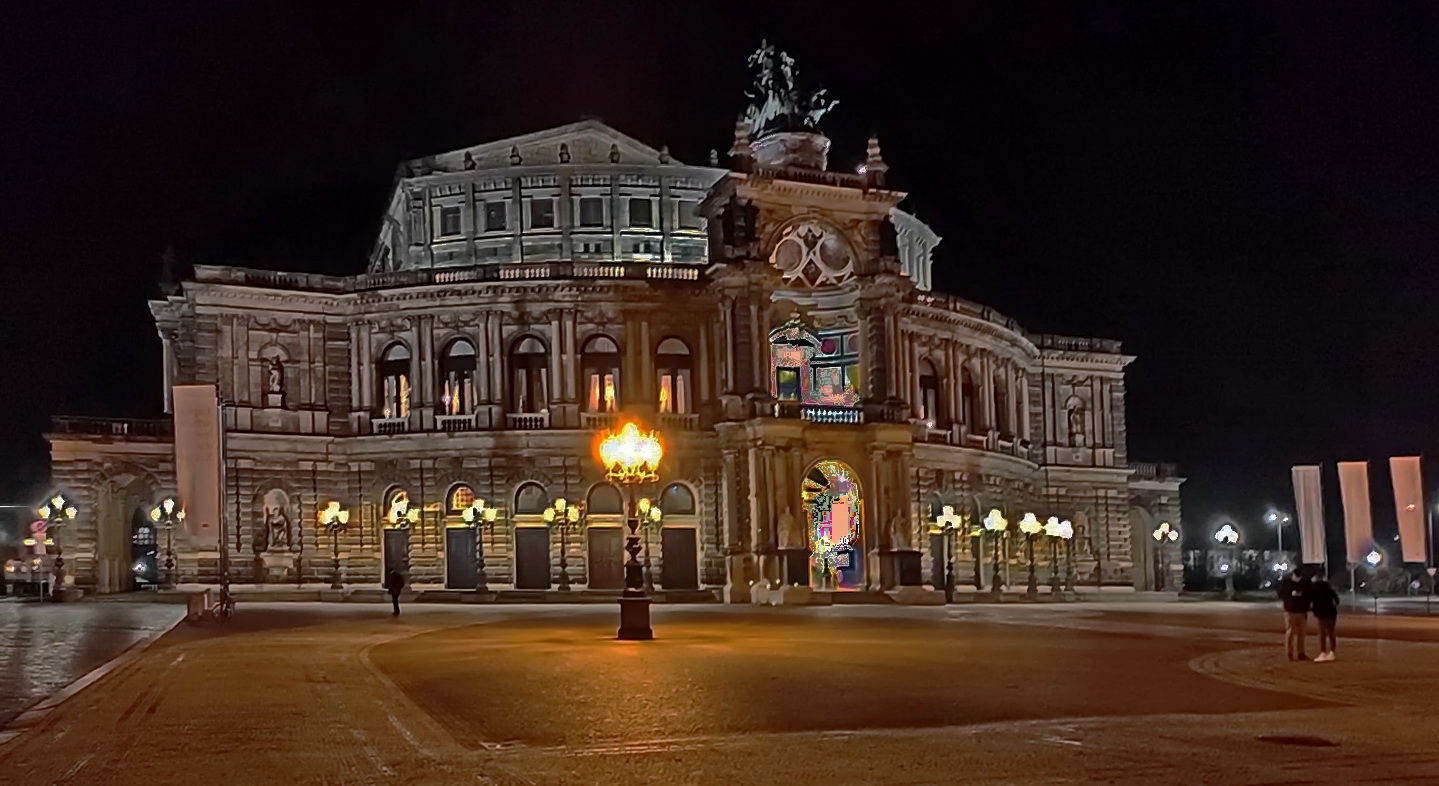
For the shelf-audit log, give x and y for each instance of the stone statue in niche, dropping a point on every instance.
(278, 527)
(791, 534)
(1076, 425)
(274, 383)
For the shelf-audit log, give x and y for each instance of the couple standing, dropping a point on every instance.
(1303, 596)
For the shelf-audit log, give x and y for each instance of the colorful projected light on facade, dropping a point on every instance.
(795, 375)
(832, 500)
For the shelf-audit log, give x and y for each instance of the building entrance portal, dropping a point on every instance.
(833, 506)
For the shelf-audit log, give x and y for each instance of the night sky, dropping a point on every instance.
(1243, 192)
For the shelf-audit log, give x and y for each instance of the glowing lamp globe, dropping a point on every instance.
(631, 456)
(995, 521)
(1030, 525)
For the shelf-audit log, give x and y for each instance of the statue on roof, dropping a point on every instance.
(777, 103)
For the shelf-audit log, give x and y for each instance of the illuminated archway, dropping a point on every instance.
(833, 509)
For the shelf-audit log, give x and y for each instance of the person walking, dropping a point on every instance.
(395, 583)
(1324, 604)
(1294, 591)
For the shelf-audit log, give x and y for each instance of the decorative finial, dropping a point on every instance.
(564, 153)
(515, 159)
(664, 154)
(614, 154)
(469, 160)
(741, 154)
(874, 166)
(714, 157)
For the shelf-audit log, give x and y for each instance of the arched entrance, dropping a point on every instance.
(833, 509)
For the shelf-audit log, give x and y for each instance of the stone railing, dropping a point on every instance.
(131, 428)
(675, 421)
(599, 421)
(1078, 344)
(455, 423)
(391, 425)
(815, 413)
(527, 420)
(1148, 470)
(502, 271)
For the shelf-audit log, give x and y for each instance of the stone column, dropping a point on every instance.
(557, 369)
(739, 559)
(483, 359)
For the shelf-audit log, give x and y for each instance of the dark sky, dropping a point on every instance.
(1243, 192)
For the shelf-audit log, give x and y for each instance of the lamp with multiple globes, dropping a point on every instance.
(481, 518)
(650, 516)
(996, 525)
(947, 523)
(335, 519)
(166, 515)
(56, 513)
(564, 515)
(1228, 537)
(1163, 534)
(1031, 526)
(631, 457)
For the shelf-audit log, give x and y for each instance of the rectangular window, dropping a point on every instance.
(592, 212)
(495, 215)
(450, 220)
(417, 227)
(641, 213)
(689, 217)
(542, 213)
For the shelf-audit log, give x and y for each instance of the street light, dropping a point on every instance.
(335, 519)
(57, 513)
(650, 516)
(948, 522)
(1228, 536)
(167, 514)
(1065, 532)
(631, 458)
(1278, 521)
(480, 518)
(563, 514)
(1031, 527)
(996, 524)
(1163, 534)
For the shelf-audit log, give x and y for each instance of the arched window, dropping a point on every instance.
(605, 499)
(459, 497)
(530, 498)
(677, 500)
(457, 378)
(673, 365)
(394, 375)
(395, 499)
(530, 376)
(1003, 421)
(600, 363)
(969, 398)
(930, 400)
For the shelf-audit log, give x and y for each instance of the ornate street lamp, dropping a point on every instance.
(480, 518)
(1228, 537)
(564, 515)
(650, 516)
(1163, 534)
(631, 458)
(167, 514)
(56, 513)
(996, 525)
(947, 522)
(1031, 527)
(335, 519)
(1064, 533)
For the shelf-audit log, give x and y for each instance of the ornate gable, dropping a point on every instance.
(588, 142)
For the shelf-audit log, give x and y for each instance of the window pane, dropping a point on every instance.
(688, 217)
(592, 212)
(494, 216)
(641, 213)
(450, 220)
(542, 213)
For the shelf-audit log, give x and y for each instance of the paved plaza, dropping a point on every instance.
(1131, 692)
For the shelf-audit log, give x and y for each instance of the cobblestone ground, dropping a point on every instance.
(1123, 693)
(46, 646)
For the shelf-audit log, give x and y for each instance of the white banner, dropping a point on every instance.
(197, 461)
(1309, 505)
(1409, 506)
(1358, 526)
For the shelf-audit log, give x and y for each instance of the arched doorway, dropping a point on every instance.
(833, 509)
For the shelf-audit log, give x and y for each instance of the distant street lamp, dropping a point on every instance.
(56, 514)
(335, 519)
(1228, 537)
(650, 516)
(1163, 534)
(948, 522)
(1031, 527)
(480, 518)
(996, 524)
(1278, 521)
(167, 514)
(1051, 534)
(631, 458)
(563, 514)
(1065, 531)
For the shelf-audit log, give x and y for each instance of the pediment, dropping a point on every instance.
(588, 142)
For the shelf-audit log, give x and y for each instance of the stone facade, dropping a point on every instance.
(526, 295)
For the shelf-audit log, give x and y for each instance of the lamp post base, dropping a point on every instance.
(635, 619)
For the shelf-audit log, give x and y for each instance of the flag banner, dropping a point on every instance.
(1309, 505)
(197, 461)
(1409, 505)
(1358, 527)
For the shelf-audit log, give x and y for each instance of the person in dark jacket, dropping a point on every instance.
(1294, 591)
(395, 583)
(1324, 604)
